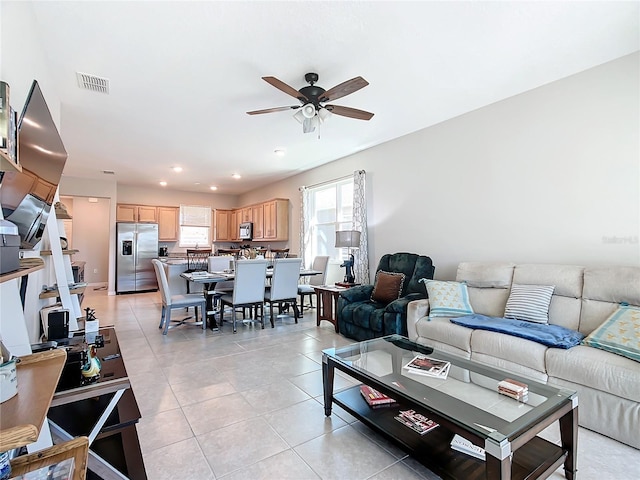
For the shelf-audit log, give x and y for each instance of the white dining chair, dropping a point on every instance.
(284, 285)
(180, 300)
(248, 290)
(321, 264)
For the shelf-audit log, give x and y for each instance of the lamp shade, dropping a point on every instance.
(348, 238)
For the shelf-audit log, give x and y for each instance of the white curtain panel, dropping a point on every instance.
(361, 255)
(305, 231)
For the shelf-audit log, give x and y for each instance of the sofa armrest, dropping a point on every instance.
(415, 311)
(361, 293)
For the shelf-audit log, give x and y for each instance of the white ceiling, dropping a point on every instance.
(183, 74)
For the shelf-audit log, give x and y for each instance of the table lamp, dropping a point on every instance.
(349, 239)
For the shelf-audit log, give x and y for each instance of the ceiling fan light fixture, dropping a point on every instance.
(309, 110)
(299, 116)
(323, 113)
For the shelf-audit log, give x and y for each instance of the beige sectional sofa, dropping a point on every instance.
(608, 384)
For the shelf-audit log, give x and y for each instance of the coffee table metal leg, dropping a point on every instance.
(327, 383)
(569, 439)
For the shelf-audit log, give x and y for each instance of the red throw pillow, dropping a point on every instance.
(388, 287)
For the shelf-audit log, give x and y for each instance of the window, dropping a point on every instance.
(195, 226)
(331, 210)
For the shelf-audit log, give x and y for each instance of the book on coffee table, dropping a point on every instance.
(375, 398)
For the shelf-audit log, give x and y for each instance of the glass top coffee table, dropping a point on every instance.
(466, 402)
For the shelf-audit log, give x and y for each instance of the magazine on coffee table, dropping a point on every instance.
(416, 421)
(423, 365)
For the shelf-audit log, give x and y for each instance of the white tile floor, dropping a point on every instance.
(221, 406)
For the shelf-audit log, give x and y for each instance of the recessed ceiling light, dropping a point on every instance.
(164, 184)
(213, 187)
(281, 152)
(177, 169)
(236, 176)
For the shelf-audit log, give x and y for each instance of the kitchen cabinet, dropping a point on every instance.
(276, 220)
(136, 213)
(222, 225)
(246, 214)
(257, 215)
(168, 226)
(236, 217)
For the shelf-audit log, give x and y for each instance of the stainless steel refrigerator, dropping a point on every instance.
(137, 245)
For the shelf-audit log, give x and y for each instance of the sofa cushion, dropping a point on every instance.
(598, 369)
(485, 284)
(605, 288)
(387, 287)
(529, 302)
(619, 334)
(511, 353)
(447, 299)
(568, 280)
(440, 330)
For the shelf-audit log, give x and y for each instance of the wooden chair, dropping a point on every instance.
(183, 300)
(284, 285)
(321, 264)
(248, 289)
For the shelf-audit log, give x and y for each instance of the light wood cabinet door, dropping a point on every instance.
(126, 213)
(147, 214)
(168, 223)
(236, 220)
(257, 217)
(276, 220)
(247, 215)
(222, 226)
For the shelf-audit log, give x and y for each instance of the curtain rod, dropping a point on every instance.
(315, 185)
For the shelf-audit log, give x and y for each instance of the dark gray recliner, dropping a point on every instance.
(361, 318)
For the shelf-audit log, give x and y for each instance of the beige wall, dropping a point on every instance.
(90, 235)
(551, 175)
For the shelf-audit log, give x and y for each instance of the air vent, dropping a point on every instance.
(108, 172)
(93, 83)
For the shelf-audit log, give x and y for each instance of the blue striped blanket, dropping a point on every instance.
(549, 335)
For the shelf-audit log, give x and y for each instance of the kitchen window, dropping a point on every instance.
(195, 226)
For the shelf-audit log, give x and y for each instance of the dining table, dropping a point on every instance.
(209, 279)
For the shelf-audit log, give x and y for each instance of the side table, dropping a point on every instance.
(346, 285)
(327, 303)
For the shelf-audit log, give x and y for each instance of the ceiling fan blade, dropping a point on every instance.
(276, 109)
(349, 112)
(345, 88)
(280, 85)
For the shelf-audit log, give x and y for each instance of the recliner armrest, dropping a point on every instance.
(360, 293)
(415, 311)
(400, 305)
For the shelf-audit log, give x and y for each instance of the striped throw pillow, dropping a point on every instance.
(529, 302)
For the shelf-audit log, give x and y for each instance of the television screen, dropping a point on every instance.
(26, 197)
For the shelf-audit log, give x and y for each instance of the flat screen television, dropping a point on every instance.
(26, 197)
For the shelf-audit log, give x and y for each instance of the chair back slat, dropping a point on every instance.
(286, 275)
(250, 279)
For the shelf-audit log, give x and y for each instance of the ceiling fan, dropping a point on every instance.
(313, 108)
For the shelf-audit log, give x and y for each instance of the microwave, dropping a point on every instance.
(246, 231)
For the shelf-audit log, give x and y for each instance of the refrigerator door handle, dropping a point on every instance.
(135, 250)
